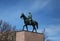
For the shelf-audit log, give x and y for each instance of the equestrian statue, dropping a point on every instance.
(29, 21)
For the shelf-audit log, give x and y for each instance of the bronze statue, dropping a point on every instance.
(30, 17)
(29, 21)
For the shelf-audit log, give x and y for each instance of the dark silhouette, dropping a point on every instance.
(30, 17)
(27, 22)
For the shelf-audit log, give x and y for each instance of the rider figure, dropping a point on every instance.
(30, 17)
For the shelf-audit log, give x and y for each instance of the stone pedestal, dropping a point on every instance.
(29, 36)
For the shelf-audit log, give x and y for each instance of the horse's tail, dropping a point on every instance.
(37, 25)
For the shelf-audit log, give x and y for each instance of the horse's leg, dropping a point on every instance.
(26, 27)
(33, 29)
(36, 26)
(23, 27)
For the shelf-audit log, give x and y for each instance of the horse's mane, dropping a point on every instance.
(25, 16)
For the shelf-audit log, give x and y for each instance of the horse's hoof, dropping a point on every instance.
(36, 31)
(32, 31)
(22, 30)
(27, 30)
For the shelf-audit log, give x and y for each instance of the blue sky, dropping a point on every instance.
(45, 12)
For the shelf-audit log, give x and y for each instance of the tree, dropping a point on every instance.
(46, 36)
(7, 32)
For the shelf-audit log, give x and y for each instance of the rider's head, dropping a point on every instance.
(29, 12)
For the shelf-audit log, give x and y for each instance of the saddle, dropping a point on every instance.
(29, 20)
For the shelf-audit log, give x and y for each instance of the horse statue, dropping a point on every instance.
(27, 22)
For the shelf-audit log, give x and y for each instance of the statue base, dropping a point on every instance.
(29, 36)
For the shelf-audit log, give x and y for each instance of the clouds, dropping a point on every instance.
(53, 28)
(53, 32)
(38, 4)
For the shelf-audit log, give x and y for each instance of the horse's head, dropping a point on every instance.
(22, 15)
